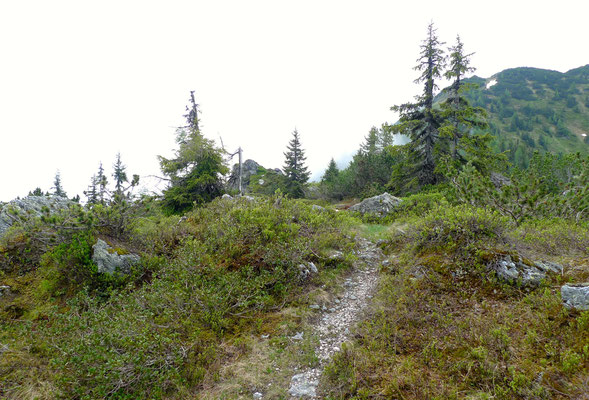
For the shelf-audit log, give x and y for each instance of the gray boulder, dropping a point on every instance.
(514, 270)
(109, 261)
(30, 207)
(575, 296)
(380, 205)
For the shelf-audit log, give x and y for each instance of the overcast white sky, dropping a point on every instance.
(83, 80)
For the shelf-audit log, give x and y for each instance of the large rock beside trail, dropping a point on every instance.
(575, 296)
(514, 269)
(110, 261)
(380, 205)
(30, 207)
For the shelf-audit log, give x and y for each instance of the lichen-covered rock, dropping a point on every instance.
(30, 207)
(513, 270)
(380, 205)
(548, 266)
(109, 261)
(575, 296)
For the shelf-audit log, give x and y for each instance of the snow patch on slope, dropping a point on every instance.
(490, 83)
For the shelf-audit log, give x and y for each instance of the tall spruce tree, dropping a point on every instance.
(295, 171)
(119, 174)
(419, 120)
(460, 119)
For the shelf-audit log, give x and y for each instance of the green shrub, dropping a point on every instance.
(554, 236)
(458, 228)
(239, 259)
(69, 267)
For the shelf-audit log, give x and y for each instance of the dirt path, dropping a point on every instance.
(333, 328)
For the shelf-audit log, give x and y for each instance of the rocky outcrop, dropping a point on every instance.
(30, 207)
(575, 296)
(514, 269)
(110, 261)
(248, 168)
(380, 205)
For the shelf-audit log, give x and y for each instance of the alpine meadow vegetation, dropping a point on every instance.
(216, 295)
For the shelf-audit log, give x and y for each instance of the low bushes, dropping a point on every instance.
(230, 261)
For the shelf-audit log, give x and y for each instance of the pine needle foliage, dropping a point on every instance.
(295, 171)
(195, 172)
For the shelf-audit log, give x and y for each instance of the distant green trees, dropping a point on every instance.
(295, 171)
(367, 174)
(195, 172)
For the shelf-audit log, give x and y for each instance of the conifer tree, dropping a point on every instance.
(295, 171)
(419, 120)
(57, 188)
(101, 182)
(195, 173)
(331, 173)
(92, 192)
(119, 174)
(460, 118)
(36, 192)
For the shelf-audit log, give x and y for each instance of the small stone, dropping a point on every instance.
(332, 310)
(335, 348)
(298, 336)
(265, 336)
(352, 297)
(301, 386)
(337, 301)
(4, 290)
(314, 307)
(258, 395)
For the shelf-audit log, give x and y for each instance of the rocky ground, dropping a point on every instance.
(333, 326)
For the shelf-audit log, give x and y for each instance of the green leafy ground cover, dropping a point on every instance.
(443, 327)
(224, 272)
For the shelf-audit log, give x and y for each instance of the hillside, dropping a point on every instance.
(535, 109)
